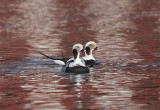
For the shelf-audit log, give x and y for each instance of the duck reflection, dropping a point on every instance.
(81, 93)
(79, 78)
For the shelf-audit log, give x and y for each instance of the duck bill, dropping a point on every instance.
(96, 48)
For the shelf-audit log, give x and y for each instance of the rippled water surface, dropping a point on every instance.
(128, 32)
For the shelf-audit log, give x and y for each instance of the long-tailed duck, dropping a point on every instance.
(88, 49)
(88, 58)
(76, 64)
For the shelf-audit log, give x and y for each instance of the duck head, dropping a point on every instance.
(77, 48)
(89, 47)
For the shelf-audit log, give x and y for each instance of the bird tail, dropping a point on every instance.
(55, 60)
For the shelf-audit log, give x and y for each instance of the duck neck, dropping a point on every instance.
(77, 57)
(76, 54)
(89, 56)
(88, 53)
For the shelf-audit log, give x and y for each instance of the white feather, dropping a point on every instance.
(77, 62)
(58, 62)
(70, 59)
(88, 57)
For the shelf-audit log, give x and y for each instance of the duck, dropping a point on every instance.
(76, 64)
(89, 59)
(88, 50)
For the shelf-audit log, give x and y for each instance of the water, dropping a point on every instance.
(127, 31)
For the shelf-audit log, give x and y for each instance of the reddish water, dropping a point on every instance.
(128, 32)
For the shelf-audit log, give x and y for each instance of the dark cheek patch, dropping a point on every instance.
(88, 50)
(75, 53)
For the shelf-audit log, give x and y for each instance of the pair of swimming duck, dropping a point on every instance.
(77, 64)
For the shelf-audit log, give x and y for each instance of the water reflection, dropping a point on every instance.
(74, 23)
(127, 32)
(43, 91)
(12, 48)
(12, 96)
(65, 94)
